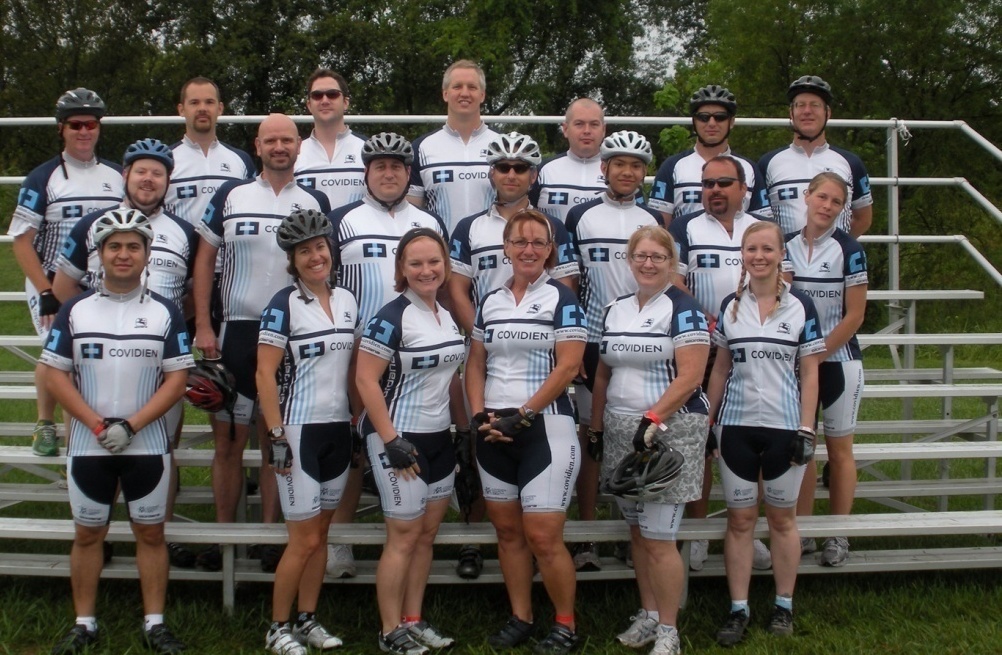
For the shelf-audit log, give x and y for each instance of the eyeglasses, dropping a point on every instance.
(814, 104)
(522, 244)
(332, 94)
(719, 116)
(504, 167)
(76, 126)
(722, 182)
(640, 258)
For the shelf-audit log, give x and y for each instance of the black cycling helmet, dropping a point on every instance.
(713, 94)
(79, 102)
(810, 84)
(644, 476)
(149, 149)
(211, 386)
(387, 144)
(302, 225)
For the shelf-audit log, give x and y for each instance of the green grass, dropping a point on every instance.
(949, 612)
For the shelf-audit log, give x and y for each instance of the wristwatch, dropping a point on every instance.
(277, 433)
(528, 413)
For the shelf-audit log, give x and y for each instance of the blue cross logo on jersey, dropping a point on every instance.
(248, 228)
(559, 197)
(187, 191)
(272, 320)
(68, 248)
(53, 342)
(690, 320)
(788, 193)
(430, 361)
(455, 249)
(384, 461)
(565, 253)
(857, 261)
(708, 261)
(183, 344)
(603, 347)
(308, 182)
(572, 316)
(599, 254)
(738, 356)
(379, 330)
(441, 177)
(660, 190)
(488, 262)
(308, 350)
(374, 250)
(811, 329)
(92, 351)
(72, 211)
(489, 335)
(27, 198)
(692, 197)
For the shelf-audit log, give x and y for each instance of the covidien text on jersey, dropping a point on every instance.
(635, 348)
(523, 335)
(163, 262)
(133, 352)
(480, 175)
(341, 181)
(771, 354)
(290, 490)
(341, 345)
(823, 293)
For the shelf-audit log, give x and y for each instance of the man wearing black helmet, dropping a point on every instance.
(677, 191)
(119, 441)
(148, 165)
(52, 199)
(789, 170)
(241, 219)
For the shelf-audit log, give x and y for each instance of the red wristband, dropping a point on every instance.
(652, 416)
(98, 429)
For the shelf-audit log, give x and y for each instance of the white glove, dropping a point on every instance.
(117, 435)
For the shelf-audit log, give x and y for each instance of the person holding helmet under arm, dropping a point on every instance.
(118, 336)
(480, 266)
(147, 167)
(600, 230)
(305, 379)
(676, 191)
(789, 170)
(526, 347)
(53, 197)
(365, 235)
(647, 393)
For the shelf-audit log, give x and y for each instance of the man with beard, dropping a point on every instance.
(709, 265)
(789, 170)
(241, 219)
(331, 158)
(676, 191)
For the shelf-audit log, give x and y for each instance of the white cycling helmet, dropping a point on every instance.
(121, 220)
(514, 146)
(627, 143)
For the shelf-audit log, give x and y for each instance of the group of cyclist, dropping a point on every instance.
(424, 308)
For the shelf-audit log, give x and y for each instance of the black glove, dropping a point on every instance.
(479, 419)
(280, 454)
(643, 438)
(510, 422)
(401, 453)
(463, 444)
(48, 304)
(711, 442)
(802, 447)
(116, 436)
(596, 444)
(467, 483)
(356, 447)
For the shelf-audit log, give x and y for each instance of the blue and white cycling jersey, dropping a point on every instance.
(678, 185)
(423, 354)
(520, 338)
(341, 177)
(565, 181)
(789, 170)
(600, 230)
(477, 252)
(837, 263)
(708, 257)
(198, 175)
(172, 254)
(366, 235)
(451, 176)
(639, 345)
(118, 347)
(313, 376)
(57, 194)
(242, 219)
(762, 389)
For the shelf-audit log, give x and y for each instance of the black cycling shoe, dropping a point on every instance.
(270, 556)
(471, 563)
(160, 639)
(560, 640)
(210, 559)
(78, 640)
(513, 633)
(180, 556)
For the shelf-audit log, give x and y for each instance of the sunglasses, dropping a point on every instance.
(76, 126)
(705, 116)
(722, 182)
(332, 94)
(504, 168)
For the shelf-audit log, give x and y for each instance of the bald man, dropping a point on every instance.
(241, 219)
